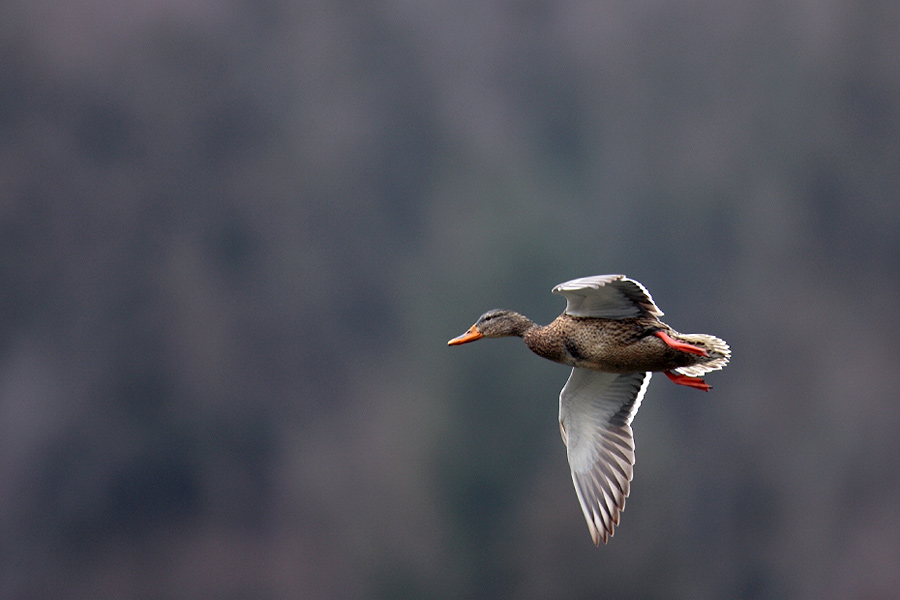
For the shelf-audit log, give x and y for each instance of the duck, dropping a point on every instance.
(611, 335)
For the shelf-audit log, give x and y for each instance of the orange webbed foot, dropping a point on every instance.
(683, 346)
(694, 382)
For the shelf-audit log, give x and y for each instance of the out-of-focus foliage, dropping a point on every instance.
(235, 237)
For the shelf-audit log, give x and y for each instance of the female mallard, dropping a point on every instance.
(611, 334)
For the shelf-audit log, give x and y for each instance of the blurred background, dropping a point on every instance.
(235, 238)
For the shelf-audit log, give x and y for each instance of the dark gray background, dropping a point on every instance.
(236, 236)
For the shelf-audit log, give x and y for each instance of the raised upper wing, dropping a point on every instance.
(607, 297)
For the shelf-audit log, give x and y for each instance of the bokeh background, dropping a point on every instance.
(236, 236)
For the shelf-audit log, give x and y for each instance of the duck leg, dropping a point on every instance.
(683, 346)
(694, 382)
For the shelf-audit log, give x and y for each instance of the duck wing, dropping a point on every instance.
(607, 297)
(595, 413)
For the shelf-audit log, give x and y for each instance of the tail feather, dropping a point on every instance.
(719, 354)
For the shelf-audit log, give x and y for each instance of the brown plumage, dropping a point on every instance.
(613, 346)
(611, 335)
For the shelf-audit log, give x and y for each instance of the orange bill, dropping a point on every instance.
(469, 336)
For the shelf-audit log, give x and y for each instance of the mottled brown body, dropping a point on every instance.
(610, 345)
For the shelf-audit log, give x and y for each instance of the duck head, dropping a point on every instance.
(493, 324)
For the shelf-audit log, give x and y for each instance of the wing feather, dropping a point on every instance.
(607, 297)
(595, 412)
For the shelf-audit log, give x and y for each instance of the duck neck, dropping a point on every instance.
(521, 325)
